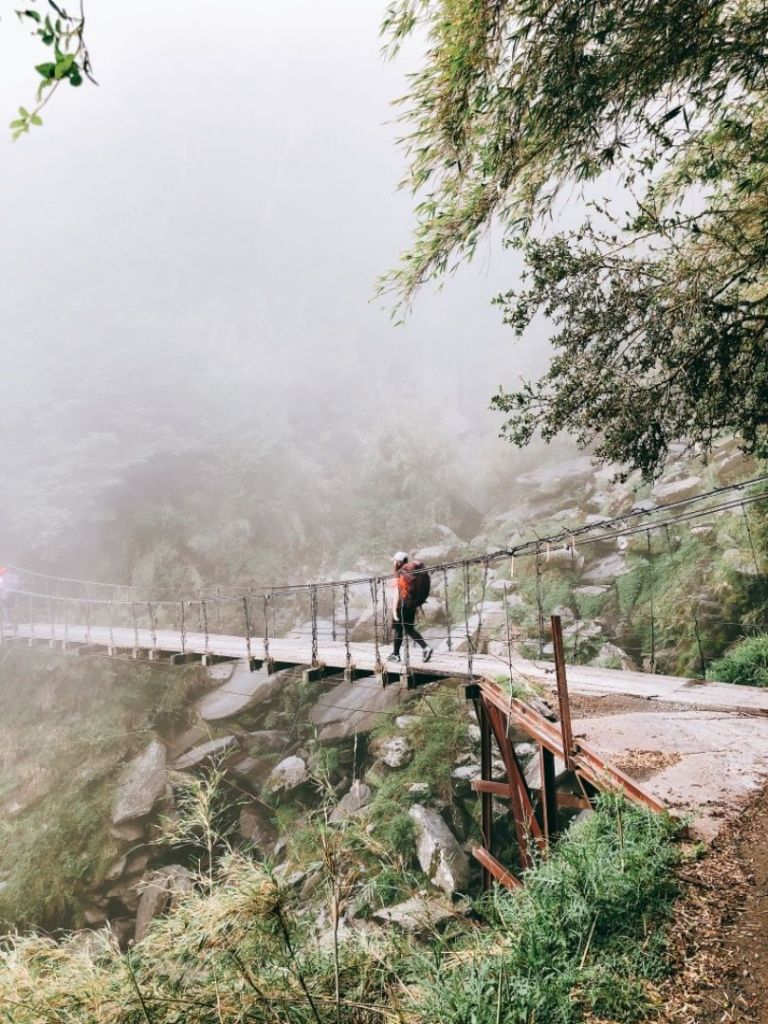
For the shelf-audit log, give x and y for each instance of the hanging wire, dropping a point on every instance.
(540, 600)
(509, 636)
(183, 626)
(204, 612)
(651, 599)
(248, 630)
(135, 626)
(375, 606)
(447, 609)
(693, 606)
(333, 614)
(385, 623)
(470, 644)
(266, 630)
(345, 598)
(751, 541)
(313, 613)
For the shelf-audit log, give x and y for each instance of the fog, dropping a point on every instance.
(189, 321)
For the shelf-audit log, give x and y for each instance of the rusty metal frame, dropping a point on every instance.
(497, 712)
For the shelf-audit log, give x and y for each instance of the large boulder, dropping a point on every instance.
(164, 888)
(358, 797)
(440, 856)
(256, 828)
(351, 708)
(240, 692)
(677, 490)
(140, 785)
(289, 774)
(209, 751)
(416, 915)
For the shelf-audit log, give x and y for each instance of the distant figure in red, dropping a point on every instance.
(412, 590)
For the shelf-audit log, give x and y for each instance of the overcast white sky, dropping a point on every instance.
(229, 191)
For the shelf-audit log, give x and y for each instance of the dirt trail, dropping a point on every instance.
(720, 935)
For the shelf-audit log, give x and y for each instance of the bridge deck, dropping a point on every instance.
(582, 680)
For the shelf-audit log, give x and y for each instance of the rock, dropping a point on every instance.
(254, 770)
(205, 752)
(265, 741)
(704, 532)
(289, 774)
(351, 708)
(611, 656)
(565, 613)
(532, 772)
(243, 690)
(416, 915)
(551, 481)
(418, 790)
(358, 797)
(137, 862)
(677, 490)
(128, 832)
(406, 721)
(164, 889)
(115, 870)
(394, 752)
(607, 569)
(734, 467)
(94, 916)
(123, 930)
(440, 856)
(256, 828)
(123, 897)
(739, 561)
(140, 785)
(563, 558)
(590, 591)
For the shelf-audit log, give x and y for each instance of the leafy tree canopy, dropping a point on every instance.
(658, 311)
(66, 60)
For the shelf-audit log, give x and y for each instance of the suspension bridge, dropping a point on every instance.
(340, 629)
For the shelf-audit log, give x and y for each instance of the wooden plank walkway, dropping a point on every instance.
(583, 680)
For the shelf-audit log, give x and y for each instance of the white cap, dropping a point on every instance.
(400, 556)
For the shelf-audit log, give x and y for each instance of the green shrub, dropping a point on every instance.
(745, 663)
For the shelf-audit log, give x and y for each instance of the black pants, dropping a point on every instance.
(407, 622)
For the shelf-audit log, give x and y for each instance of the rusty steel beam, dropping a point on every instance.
(562, 690)
(587, 763)
(526, 825)
(495, 869)
(548, 801)
(486, 767)
(501, 789)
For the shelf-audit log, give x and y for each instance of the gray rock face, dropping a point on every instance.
(141, 784)
(290, 773)
(254, 770)
(205, 752)
(243, 690)
(550, 481)
(351, 708)
(395, 752)
(164, 888)
(441, 858)
(676, 490)
(416, 914)
(607, 569)
(265, 741)
(354, 801)
(255, 828)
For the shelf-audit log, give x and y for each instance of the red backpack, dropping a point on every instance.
(414, 584)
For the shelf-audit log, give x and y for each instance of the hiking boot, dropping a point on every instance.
(394, 657)
(428, 652)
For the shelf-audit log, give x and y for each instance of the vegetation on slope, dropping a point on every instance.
(585, 937)
(67, 725)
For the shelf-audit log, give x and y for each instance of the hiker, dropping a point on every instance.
(413, 585)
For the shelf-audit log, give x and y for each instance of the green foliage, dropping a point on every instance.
(582, 940)
(64, 744)
(657, 311)
(70, 60)
(746, 663)
(575, 942)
